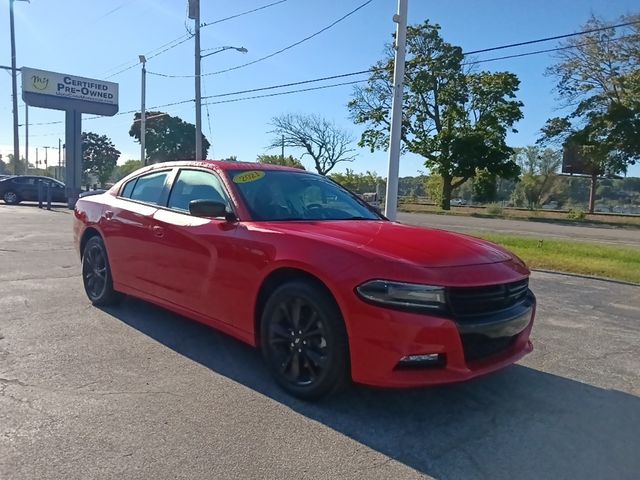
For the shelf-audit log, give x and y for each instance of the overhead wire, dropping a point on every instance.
(183, 38)
(273, 54)
(207, 24)
(360, 72)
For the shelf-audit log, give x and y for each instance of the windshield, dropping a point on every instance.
(284, 195)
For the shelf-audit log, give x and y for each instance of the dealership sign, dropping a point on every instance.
(60, 91)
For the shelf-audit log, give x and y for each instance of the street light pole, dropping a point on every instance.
(26, 136)
(198, 58)
(391, 200)
(14, 86)
(143, 126)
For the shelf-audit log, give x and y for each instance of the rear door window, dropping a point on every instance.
(149, 188)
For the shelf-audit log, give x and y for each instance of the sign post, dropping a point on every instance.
(75, 95)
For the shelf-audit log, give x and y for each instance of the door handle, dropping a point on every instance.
(158, 231)
(108, 214)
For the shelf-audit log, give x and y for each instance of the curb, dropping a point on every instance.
(589, 277)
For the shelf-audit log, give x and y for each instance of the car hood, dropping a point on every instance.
(405, 243)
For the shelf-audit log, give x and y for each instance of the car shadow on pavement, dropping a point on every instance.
(519, 423)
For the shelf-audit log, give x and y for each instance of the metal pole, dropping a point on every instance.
(282, 155)
(143, 125)
(46, 159)
(391, 201)
(59, 173)
(197, 79)
(37, 161)
(14, 86)
(26, 137)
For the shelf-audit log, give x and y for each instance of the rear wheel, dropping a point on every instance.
(304, 340)
(96, 274)
(11, 198)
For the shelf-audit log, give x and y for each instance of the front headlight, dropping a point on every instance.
(403, 295)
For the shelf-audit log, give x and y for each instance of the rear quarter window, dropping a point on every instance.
(128, 188)
(149, 188)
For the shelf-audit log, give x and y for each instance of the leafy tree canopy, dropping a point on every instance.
(279, 160)
(454, 118)
(99, 156)
(168, 138)
(125, 169)
(598, 81)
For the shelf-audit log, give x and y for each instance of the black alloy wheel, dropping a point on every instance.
(11, 198)
(96, 274)
(304, 340)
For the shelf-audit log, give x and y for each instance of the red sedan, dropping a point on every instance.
(291, 262)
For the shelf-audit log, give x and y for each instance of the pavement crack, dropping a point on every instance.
(144, 392)
(13, 381)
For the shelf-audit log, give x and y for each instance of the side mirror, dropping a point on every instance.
(209, 208)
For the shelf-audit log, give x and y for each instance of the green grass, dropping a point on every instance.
(610, 261)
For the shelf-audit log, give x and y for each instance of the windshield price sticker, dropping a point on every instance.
(250, 176)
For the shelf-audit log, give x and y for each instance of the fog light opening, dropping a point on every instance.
(423, 360)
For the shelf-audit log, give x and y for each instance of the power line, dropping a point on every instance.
(285, 93)
(288, 47)
(548, 39)
(183, 38)
(207, 24)
(360, 72)
(169, 47)
(546, 50)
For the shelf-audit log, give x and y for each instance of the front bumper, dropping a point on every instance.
(381, 337)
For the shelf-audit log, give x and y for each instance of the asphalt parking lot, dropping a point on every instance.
(137, 392)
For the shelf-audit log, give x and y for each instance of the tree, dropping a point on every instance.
(457, 120)
(99, 156)
(323, 141)
(598, 77)
(358, 182)
(231, 158)
(279, 160)
(539, 180)
(125, 169)
(485, 188)
(168, 138)
(14, 167)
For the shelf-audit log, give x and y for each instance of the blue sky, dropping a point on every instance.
(97, 38)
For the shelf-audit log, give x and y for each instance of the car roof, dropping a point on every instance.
(224, 165)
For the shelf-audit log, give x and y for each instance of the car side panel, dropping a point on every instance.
(196, 261)
(127, 228)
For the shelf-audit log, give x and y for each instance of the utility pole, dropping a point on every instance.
(26, 136)
(46, 159)
(37, 161)
(282, 147)
(59, 173)
(143, 125)
(194, 13)
(391, 201)
(14, 87)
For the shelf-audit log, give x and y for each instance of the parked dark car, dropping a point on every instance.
(14, 190)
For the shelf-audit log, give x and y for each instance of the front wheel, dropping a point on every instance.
(304, 340)
(11, 198)
(96, 274)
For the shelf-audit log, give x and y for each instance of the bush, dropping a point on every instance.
(576, 214)
(494, 209)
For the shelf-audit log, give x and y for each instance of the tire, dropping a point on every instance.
(96, 274)
(11, 198)
(304, 340)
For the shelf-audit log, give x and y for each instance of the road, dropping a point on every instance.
(137, 392)
(459, 223)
